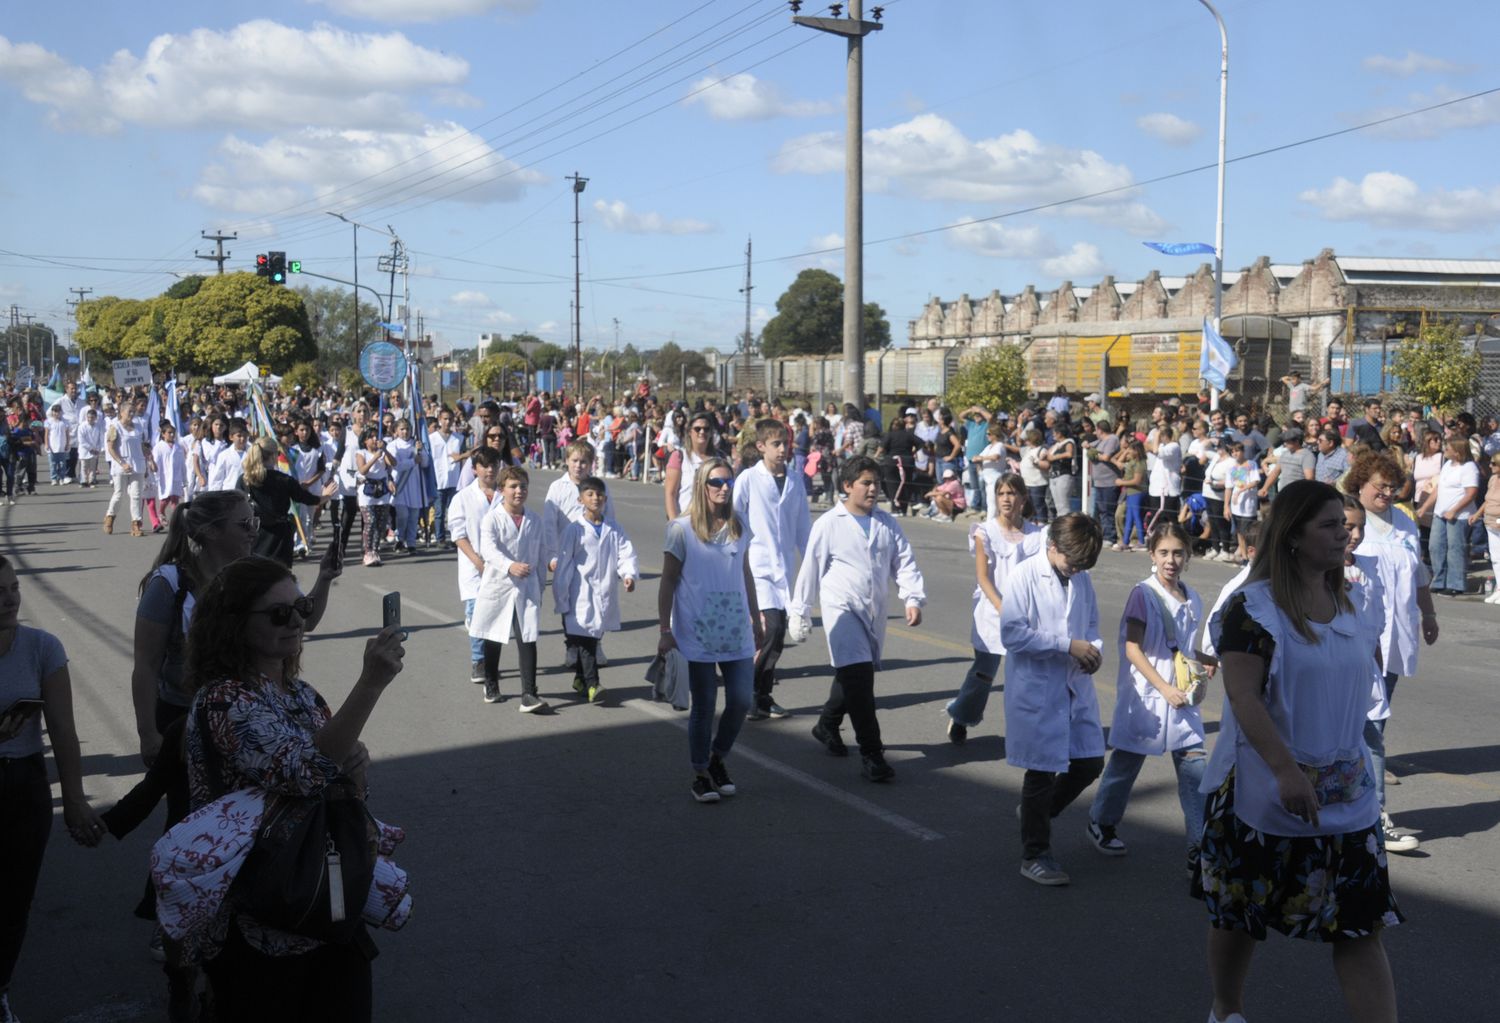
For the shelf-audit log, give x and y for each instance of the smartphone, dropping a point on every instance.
(390, 611)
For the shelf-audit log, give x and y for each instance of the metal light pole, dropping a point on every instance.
(854, 29)
(1213, 394)
(578, 186)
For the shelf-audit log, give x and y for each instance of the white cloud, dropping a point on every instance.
(930, 158)
(256, 178)
(500, 318)
(1078, 263)
(743, 97)
(1168, 128)
(832, 240)
(1413, 63)
(470, 298)
(547, 327)
(258, 75)
(422, 10)
(1481, 112)
(1001, 241)
(1385, 199)
(617, 216)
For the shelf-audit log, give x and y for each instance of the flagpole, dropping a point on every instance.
(1213, 394)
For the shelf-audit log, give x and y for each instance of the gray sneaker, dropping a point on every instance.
(1044, 870)
(476, 672)
(531, 703)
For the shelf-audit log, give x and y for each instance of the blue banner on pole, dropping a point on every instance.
(1181, 248)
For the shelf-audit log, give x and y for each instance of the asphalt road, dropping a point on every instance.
(562, 872)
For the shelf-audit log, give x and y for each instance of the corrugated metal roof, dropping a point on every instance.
(1381, 264)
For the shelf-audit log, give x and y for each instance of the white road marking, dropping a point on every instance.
(802, 778)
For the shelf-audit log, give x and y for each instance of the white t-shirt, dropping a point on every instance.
(1216, 478)
(1166, 472)
(1453, 478)
(1244, 503)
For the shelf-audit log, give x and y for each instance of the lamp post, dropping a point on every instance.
(1213, 395)
(854, 29)
(578, 186)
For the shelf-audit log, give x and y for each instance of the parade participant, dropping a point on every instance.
(271, 494)
(706, 610)
(466, 514)
(773, 506)
(338, 468)
(372, 478)
(411, 458)
(170, 463)
(853, 551)
(562, 506)
(228, 463)
(1152, 716)
(683, 465)
(125, 444)
(1049, 623)
(445, 446)
(206, 450)
(1293, 818)
(509, 598)
(59, 440)
(999, 544)
(255, 723)
(90, 447)
(305, 459)
(592, 554)
(33, 667)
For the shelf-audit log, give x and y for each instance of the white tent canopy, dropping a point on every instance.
(245, 374)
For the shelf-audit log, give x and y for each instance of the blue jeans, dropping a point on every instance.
(406, 525)
(1120, 774)
(440, 513)
(1375, 739)
(1105, 500)
(59, 460)
(1038, 498)
(476, 645)
(974, 493)
(1448, 550)
(967, 708)
(703, 682)
(1134, 503)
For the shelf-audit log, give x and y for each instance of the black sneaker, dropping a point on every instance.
(703, 790)
(719, 775)
(757, 713)
(491, 691)
(776, 710)
(875, 768)
(1105, 840)
(957, 734)
(476, 672)
(531, 703)
(830, 740)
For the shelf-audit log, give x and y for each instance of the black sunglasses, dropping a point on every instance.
(280, 614)
(717, 482)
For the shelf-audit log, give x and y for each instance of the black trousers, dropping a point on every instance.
(526, 652)
(346, 510)
(585, 660)
(1044, 795)
(769, 653)
(330, 984)
(853, 693)
(25, 821)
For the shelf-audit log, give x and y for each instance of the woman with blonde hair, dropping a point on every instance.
(271, 495)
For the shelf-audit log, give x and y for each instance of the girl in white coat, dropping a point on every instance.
(510, 592)
(592, 555)
(997, 546)
(411, 459)
(1152, 716)
(171, 471)
(90, 445)
(853, 552)
(1049, 623)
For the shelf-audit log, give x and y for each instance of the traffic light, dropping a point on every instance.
(262, 266)
(277, 262)
(294, 266)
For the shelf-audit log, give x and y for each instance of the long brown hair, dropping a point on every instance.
(216, 647)
(698, 514)
(1276, 555)
(190, 522)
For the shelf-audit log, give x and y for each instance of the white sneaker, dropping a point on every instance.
(1493, 598)
(67, 479)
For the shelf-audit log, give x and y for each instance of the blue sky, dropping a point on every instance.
(133, 127)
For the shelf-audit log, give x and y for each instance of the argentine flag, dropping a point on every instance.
(1181, 248)
(1216, 359)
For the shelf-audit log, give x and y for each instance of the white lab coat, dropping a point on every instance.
(585, 588)
(1397, 550)
(466, 514)
(1367, 594)
(227, 469)
(205, 453)
(1143, 721)
(1051, 710)
(779, 527)
(503, 598)
(90, 437)
(171, 468)
(1003, 555)
(444, 450)
(1206, 638)
(850, 572)
(561, 507)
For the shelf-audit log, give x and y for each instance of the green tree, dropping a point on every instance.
(1438, 366)
(304, 375)
(669, 361)
(809, 319)
(994, 378)
(548, 356)
(185, 287)
(497, 373)
(330, 314)
(350, 379)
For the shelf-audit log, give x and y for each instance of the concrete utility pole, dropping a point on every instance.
(28, 317)
(219, 255)
(853, 28)
(10, 342)
(578, 186)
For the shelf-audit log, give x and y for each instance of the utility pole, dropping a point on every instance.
(219, 255)
(854, 29)
(617, 334)
(10, 342)
(578, 186)
(743, 348)
(28, 317)
(73, 304)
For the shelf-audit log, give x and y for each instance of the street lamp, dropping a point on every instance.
(578, 186)
(1213, 395)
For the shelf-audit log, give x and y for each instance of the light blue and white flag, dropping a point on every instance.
(1216, 359)
(174, 412)
(153, 415)
(1181, 248)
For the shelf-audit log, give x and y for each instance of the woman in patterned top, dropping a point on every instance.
(255, 723)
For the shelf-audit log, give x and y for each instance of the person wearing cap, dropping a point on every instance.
(1293, 462)
(1092, 409)
(946, 500)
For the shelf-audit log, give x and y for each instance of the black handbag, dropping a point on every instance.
(312, 864)
(374, 488)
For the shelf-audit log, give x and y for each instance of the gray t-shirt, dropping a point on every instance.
(1295, 466)
(33, 655)
(1102, 472)
(1296, 396)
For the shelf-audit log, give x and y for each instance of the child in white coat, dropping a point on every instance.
(561, 507)
(90, 446)
(1049, 623)
(592, 554)
(510, 592)
(1152, 716)
(853, 552)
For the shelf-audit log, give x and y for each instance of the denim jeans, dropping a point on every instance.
(59, 460)
(967, 708)
(1105, 499)
(703, 682)
(1448, 551)
(1038, 497)
(440, 513)
(974, 494)
(1375, 739)
(476, 645)
(1134, 505)
(1120, 774)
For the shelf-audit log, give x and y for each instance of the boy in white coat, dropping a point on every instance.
(465, 515)
(90, 445)
(1049, 623)
(853, 552)
(592, 554)
(510, 592)
(561, 507)
(774, 505)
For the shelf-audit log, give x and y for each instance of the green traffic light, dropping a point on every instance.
(296, 266)
(278, 278)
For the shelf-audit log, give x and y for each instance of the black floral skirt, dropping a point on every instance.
(1321, 888)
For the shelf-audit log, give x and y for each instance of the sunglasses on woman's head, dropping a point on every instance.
(717, 482)
(280, 614)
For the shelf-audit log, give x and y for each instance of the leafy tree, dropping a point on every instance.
(670, 360)
(548, 355)
(525, 338)
(304, 375)
(809, 319)
(185, 287)
(350, 379)
(994, 378)
(330, 313)
(492, 374)
(1438, 366)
